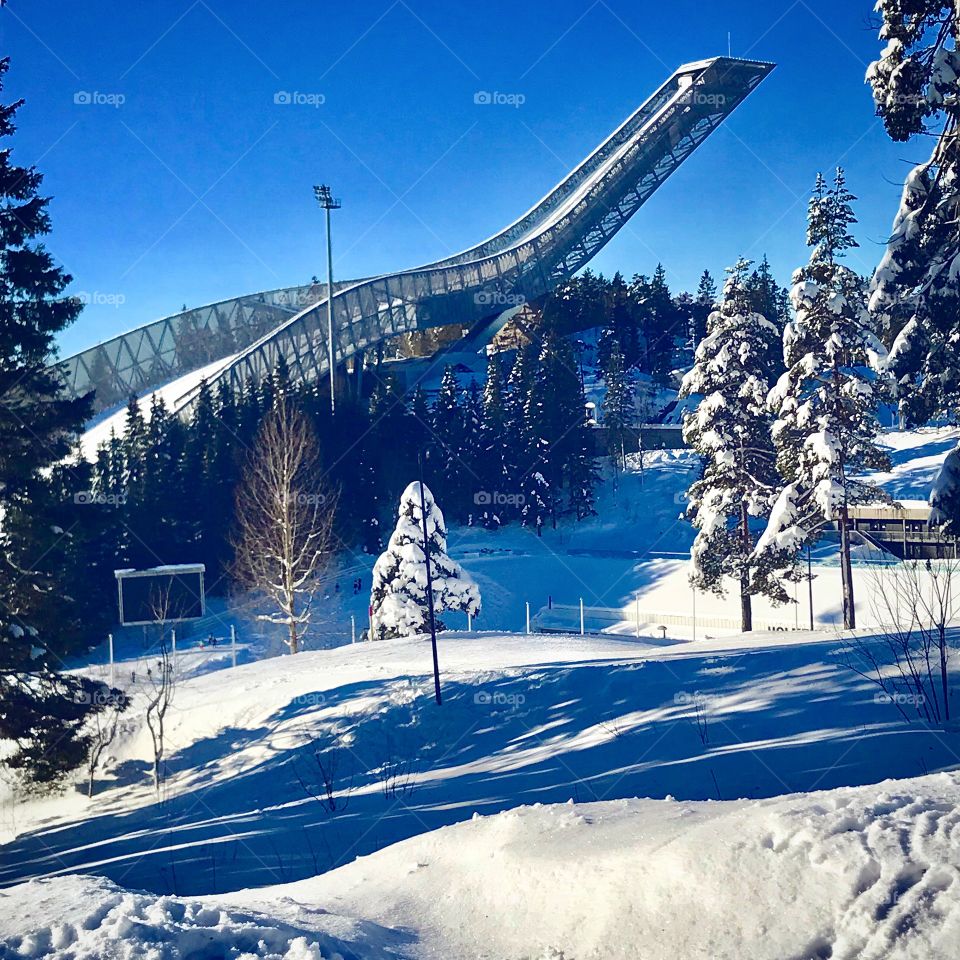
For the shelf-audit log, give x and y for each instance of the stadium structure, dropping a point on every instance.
(241, 340)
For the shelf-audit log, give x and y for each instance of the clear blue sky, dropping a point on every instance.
(198, 186)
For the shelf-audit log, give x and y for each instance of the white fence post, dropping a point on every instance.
(694, 614)
(110, 642)
(528, 616)
(353, 628)
(581, 617)
(233, 644)
(469, 621)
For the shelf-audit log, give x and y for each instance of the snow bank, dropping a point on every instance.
(89, 918)
(867, 872)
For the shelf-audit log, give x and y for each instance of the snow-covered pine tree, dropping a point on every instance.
(519, 453)
(555, 417)
(471, 403)
(663, 324)
(538, 501)
(915, 293)
(730, 429)
(582, 476)
(493, 460)
(617, 409)
(448, 466)
(623, 319)
(825, 403)
(398, 596)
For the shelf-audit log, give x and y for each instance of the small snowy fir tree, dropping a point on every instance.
(825, 404)
(398, 597)
(730, 429)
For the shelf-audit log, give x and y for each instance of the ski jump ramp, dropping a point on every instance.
(524, 261)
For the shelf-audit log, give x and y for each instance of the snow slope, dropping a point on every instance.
(524, 720)
(870, 873)
(916, 457)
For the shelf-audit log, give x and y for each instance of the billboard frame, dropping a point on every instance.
(187, 569)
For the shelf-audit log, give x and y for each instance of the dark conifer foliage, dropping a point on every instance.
(42, 711)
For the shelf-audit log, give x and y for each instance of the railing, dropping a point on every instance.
(553, 619)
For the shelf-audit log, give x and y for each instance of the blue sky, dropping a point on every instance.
(197, 186)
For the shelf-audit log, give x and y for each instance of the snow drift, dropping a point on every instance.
(864, 872)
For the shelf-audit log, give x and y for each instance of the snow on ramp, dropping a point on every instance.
(865, 872)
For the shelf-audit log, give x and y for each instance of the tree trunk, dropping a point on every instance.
(846, 572)
(293, 641)
(944, 685)
(746, 601)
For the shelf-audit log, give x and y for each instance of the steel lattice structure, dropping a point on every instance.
(526, 260)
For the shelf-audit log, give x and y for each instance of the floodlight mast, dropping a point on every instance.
(327, 202)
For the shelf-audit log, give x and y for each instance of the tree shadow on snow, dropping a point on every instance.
(249, 807)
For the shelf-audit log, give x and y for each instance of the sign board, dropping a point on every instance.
(161, 594)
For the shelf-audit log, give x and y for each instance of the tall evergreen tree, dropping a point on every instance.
(493, 461)
(449, 470)
(617, 409)
(518, 454)
(42, 711)
(624, 320)
(555, 418)
(703, 306)
(663, 326)
(915, 293)
(825, 404)
(766, 296)
(730, 429)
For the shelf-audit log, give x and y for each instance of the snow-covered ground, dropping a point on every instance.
(431, 840)
(916, 457)
(868, 873)
(525, 719)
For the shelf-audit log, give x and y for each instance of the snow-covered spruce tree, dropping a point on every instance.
(825, 404)
(42, 712)
(492, 463)
(556, 422)
(398, 596)
(915, 293)
(730, 429)
(448, 459)
(617, 409)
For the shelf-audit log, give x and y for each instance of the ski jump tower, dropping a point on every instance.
(250, 334)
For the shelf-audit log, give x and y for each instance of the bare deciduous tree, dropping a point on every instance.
(161, 687)
(103, 731)
(908, 659)
(284, 520)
